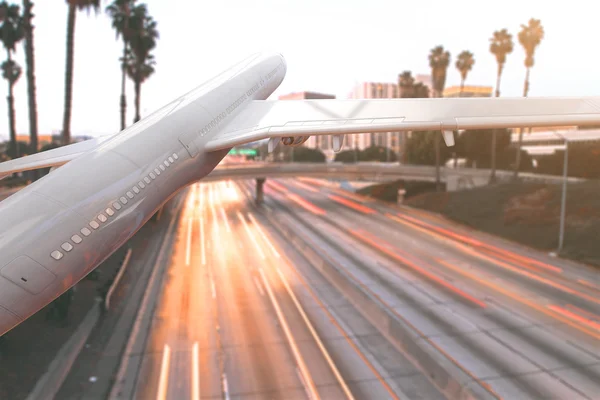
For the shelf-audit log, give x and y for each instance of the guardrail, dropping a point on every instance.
(367, 171)
(117, 279)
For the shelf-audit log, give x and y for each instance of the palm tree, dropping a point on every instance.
(30, 64)
(122, 12)
(139, 72)
(464, 63)
(140, 63)
(406, 84)
(530, 37)
(438, 61)
(501, 44)
(11, 71)
(74, 6)
(11, 32)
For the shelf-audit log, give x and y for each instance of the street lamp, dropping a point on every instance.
(563, 203)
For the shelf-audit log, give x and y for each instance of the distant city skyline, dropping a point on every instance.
(344, 42)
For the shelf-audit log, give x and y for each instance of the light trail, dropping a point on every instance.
(295, 351)
(163, 381)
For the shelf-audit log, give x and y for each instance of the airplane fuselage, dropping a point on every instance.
(58, 229)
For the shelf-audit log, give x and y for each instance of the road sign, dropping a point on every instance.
(243, 152)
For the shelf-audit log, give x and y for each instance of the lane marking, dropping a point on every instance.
(201, 187)
(195, 372)
(163, 382)
(295, 351)
(225, 387)
(188, 249)
(343, 331)
(259, 286)
(303, 383)
(324, 351)
(260, 250)
(266, 239)
(225, 219)
(202, 245)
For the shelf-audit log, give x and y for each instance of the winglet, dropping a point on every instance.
(448, 138)
(338, 142)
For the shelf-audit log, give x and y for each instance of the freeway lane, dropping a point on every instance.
(522, 327)
(234, 321)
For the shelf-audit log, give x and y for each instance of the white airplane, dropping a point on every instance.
(58, 229)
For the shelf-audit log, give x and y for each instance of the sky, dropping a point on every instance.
(329, 46)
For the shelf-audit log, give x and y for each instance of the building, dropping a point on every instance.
(374, 90)
(425, 80)
(469, 91)
(315, 142)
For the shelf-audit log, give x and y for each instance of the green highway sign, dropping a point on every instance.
(243, 152)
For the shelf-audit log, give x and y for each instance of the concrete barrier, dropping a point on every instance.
(447, 376)
(49, 384)
(117, 279)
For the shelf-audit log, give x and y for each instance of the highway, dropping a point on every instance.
(233, 320)
(243, 312)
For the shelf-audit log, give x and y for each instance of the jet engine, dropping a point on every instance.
(294, 140)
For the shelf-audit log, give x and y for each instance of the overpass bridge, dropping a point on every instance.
(455, 179)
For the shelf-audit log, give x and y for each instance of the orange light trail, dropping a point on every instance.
(277, 186)
(351, 204)
(518, 298)
(306, 187)
(576, 317)
(306, 204)
(471, 241)
(388, 251)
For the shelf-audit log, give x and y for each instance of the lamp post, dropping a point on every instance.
(563, 202)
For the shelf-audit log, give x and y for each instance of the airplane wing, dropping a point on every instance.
(263, 119)
(50, 158)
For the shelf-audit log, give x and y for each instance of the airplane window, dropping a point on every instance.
(152, 175)
(175, 156)
(85, 232)
(130, 195)
(117, 206)
(147, 180)
(136, 189)
(162, 167)
(157, 171)
(141, 184)
(94, 224)
(166, 163)
(123, 200)
(171, 160)
(110, 212)
(67, 246)
(57, 255)
(102, 218)
(76, 239)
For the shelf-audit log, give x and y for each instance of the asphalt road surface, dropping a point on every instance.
(242, 314)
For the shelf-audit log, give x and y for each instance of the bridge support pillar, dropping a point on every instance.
(260, 192)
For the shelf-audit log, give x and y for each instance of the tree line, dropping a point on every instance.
(132, 24)
(469, 145)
